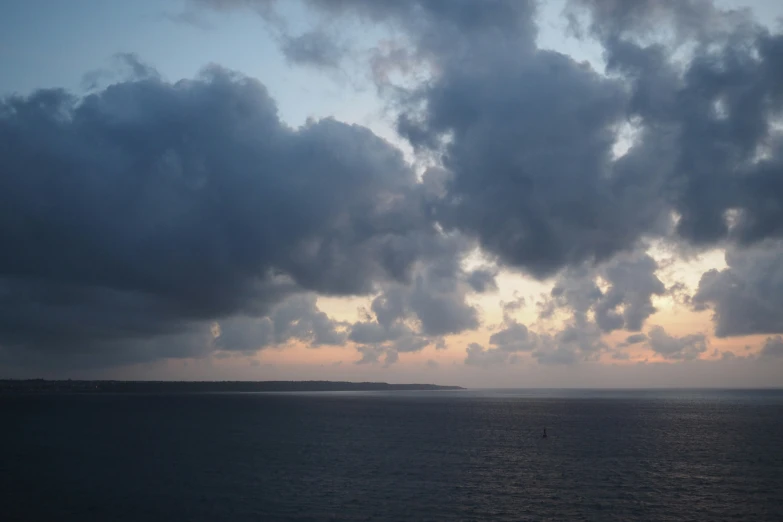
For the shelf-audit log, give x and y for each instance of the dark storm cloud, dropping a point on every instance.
(685, 19)
(527, 136)
(509, 307)
(148, 208)
(398, 337)
(441, 313)
(558, 354)
(747, 296)
(436, 298)
(375, 333)
(687, 347)
(720, 105)
(515, 337)
(477, 355)
(533, 174)
(483, 280)
(299, 318)
(530, 159)
(579, 340)
(570, 346)
(409, 317)
(631, 283)
(152, 209)
(312, 48)
(296, 318)
(370, 354)
(245, 334)
(635, 339)
(724, 171)
(196, 340)
(373, 354)
(527, 139)
(625, 304)
(620, 354)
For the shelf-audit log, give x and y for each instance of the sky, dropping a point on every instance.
(488, 193)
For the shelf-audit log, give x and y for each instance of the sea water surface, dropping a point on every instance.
(394, 456)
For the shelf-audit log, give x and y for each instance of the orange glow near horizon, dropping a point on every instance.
(676, 318)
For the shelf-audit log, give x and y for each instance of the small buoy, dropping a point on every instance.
(544, 433)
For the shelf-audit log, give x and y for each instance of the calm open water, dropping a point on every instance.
(674, 455)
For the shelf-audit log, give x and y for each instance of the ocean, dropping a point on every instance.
(702, 455)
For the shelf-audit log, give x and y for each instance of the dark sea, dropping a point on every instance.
(394, 456)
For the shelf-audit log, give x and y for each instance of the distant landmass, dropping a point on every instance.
(72, 386)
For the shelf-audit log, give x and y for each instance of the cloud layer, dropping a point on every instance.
(152, 219)
(148, 208)
(528, 134)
